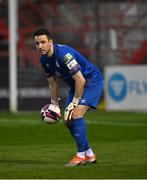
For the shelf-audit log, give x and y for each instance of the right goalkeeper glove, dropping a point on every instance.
(70, 109)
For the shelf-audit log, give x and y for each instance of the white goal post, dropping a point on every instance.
(13, 21)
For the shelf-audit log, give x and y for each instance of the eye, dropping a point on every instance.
(43, 42)
(36, 43)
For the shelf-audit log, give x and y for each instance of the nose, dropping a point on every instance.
(40, 45)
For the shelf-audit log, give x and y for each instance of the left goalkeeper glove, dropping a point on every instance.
(70, 109)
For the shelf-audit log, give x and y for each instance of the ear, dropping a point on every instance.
(51, 41)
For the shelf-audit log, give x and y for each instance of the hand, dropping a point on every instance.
(70, 109)
(55, 102)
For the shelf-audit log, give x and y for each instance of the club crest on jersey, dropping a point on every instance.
(68, 57)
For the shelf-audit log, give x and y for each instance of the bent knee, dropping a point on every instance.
(76, 114)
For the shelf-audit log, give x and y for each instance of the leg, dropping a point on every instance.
(76, 125)
(77, 128)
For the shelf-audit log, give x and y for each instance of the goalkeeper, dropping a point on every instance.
(85, 82)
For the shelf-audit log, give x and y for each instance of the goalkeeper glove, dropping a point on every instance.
(70, 109)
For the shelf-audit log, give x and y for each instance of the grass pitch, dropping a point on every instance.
(31, 149)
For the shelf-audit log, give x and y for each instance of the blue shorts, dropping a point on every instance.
(91, 95)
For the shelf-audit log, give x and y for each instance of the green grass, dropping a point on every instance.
(32, 149)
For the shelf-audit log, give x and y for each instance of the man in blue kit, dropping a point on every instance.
(85, 82)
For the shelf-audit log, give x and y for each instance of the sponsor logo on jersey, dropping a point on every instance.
(83, 101)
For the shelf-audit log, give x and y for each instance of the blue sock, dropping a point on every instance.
(78, 131)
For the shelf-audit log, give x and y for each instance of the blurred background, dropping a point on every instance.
(111, 34)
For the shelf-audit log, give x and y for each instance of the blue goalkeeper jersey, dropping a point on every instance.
(66, 62)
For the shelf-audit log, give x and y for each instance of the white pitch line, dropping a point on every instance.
(116, 123)
(37, 122)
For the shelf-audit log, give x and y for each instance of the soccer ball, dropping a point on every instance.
(50, 113)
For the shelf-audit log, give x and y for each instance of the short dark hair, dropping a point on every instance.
(40, 32)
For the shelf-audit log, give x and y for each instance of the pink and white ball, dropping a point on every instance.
(50, 113)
